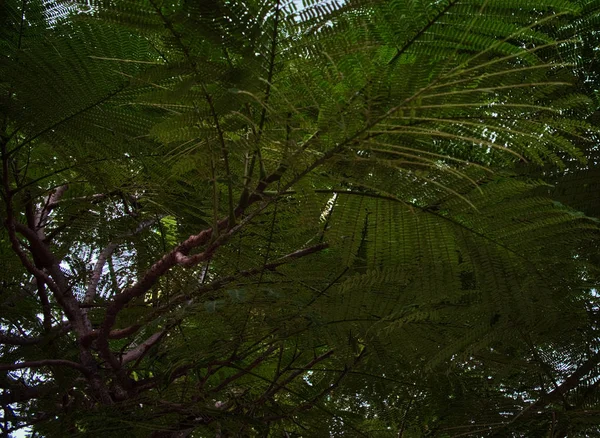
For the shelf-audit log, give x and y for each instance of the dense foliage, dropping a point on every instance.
(260, 218)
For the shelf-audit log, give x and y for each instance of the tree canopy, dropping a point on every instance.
(264, 218)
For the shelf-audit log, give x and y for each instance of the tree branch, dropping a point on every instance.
(102, 259)
(219, 283)
(90, 293)
(17, 393)
(269, 393)
(176, 256)
(44, 363)
(252, 365)
(45, 302)
(51, 203)
(570, 383)
(141, 350)
(17, 340)
(58, 283)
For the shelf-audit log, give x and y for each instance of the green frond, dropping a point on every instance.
(267, 218)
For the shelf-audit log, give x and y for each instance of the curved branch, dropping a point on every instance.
(140, 351)
(16, 340)
(90, 293)
(570, 383)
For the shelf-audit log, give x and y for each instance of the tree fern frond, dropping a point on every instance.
(331, 219)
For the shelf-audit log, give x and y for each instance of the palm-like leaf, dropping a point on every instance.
(306, 222)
